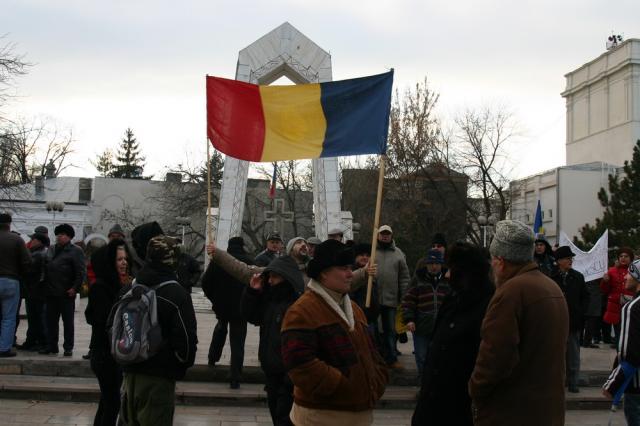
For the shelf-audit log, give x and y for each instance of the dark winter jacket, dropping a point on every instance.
(36, 276)
(15, 259)
(178, 323)
(546, 262)
(444, 399)
(222, 289)
(188, 271)
(422, 301)
(103, 294)
(267, 307)
(576, 294)
(65, 269)
(264, 258)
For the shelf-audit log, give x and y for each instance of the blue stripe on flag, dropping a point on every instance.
(357, 114)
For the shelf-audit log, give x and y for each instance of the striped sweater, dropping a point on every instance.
(423, 299)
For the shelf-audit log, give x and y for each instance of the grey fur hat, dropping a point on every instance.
(513, 241)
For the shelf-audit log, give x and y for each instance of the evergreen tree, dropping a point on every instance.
(622, 208)
(130, 164)
(104, 163)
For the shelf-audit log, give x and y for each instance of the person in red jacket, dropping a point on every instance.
(612, 285)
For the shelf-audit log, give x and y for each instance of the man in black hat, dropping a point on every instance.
(14, 263)
(66, 270)
(35, 286)
(577, 296)
(274, 246)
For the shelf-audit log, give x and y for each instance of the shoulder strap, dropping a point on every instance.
(164, 283)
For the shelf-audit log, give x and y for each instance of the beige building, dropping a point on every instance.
(603, 107)
(568, 197)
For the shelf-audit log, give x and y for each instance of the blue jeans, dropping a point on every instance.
(388, 316)
(9, 299)
(420, 347)
(632, 409)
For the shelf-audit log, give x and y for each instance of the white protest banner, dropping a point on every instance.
(592, 264)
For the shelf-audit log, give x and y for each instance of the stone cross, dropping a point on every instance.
(278, 216)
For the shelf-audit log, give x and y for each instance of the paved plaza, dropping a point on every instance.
(25, 412)
(595, 362)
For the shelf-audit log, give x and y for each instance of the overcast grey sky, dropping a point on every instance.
(103, 66)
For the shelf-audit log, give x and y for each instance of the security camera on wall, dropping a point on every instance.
(613, 41)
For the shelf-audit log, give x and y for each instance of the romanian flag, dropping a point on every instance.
(277, 123)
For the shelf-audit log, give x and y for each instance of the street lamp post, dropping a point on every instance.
(183, 221)
(54, 206)
(485, 223)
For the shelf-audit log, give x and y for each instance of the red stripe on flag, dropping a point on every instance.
(235, 119)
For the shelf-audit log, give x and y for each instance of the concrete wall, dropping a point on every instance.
(578, 198)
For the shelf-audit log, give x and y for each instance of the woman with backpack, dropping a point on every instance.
(102, 296)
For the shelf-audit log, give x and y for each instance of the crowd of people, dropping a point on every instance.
(496, 333)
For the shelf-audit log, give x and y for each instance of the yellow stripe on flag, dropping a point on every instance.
(295, 125)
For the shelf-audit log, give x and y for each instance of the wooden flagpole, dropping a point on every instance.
(376, 224)
(209, 227)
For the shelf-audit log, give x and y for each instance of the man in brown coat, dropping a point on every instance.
(520, 370)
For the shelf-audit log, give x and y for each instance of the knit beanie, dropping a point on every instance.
(291, 243)
(513, 241)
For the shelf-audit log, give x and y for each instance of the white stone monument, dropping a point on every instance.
(285, 51)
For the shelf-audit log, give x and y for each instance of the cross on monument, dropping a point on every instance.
(278, 216)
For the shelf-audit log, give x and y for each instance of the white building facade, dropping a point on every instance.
(568, 197)
(603, 107)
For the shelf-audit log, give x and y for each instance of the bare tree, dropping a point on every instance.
(27, 148)
(481, 143)
(12, 65)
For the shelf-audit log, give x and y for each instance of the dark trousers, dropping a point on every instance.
(109, 379)
(149, 400)
(573, 359)
(36, 335)
(237, 336)
(60, 307)
(279, 398)
(591, 330)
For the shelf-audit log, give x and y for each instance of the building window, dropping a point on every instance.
(542, 213)
(550, 213)
(527, 219)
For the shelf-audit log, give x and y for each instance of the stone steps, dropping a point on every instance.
(85, 389)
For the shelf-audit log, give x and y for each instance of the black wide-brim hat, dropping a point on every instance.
(328, 254)
(66, 229)
(563, 252)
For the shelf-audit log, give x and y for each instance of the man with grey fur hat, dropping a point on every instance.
(519, 374)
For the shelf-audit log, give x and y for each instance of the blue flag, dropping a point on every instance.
(537, 223)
